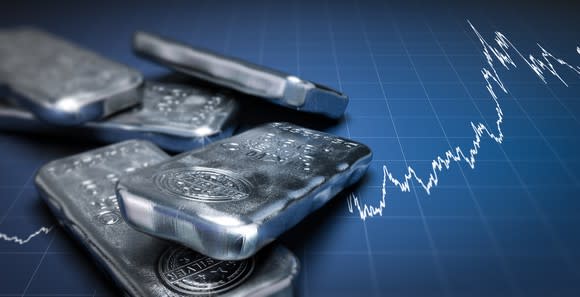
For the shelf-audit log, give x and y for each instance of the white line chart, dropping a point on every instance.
(21, 241)
(499, 53)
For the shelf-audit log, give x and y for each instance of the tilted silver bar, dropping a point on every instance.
(274, 86)
(80, 192)
(232, 197)
(60, 82)
(175, 117)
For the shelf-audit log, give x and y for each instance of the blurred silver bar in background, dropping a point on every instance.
(277, 87)
(80, 192)
(180, 110)
(175, 117)
(232, 197)
(60, 82)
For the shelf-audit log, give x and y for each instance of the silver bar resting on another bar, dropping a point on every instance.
(80, 192)
(60, 82)
(232, 197)
(175, 117)
(272, 85)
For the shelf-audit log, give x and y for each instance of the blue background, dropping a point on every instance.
(509, 227)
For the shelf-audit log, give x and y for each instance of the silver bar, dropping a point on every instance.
(179, 110)
(175, 117)
(233, 197)
(80, 192)
(60, 82)
(277, 87)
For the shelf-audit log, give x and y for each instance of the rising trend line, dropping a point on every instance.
(540, 66)
(21, 241)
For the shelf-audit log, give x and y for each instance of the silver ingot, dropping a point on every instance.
(80, 192)
(233, 197)
(175, 117)
(275, 86)
(60, 82)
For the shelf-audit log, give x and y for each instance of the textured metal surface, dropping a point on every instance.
(80, 192)
(234, 196)
(60, 82)
(175, 117)
(178, 110)
(275, 86)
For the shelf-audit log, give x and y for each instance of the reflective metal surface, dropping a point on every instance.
(178, 110)
(234, 196)
(175, 117)
(277, 87)
(80, 192)
(61, 82)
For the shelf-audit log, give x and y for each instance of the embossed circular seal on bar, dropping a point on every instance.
(175, 117)
(232, 197)
(274, 86)
(60, 82)
(81, 193)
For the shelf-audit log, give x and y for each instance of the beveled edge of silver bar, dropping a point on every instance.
(17, 119)
(278, 87)
(61, 112)
(119, 121)
(94, 110)
(252, 240)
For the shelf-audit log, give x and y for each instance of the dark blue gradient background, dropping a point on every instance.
(509, 227)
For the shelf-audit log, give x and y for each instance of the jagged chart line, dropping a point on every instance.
(491, 53)
(21, 241)
(455, 155)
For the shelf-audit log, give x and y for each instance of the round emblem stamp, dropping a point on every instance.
(203, 184)
(186, 271)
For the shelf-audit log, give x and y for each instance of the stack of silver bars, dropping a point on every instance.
(202, 222)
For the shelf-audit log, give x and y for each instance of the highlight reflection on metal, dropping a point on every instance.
(234, 196)
(175, 117)
(179, 110)
(275, 86)
(60, 82)
(80, 192)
